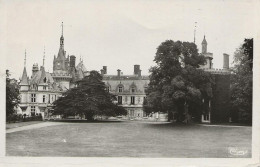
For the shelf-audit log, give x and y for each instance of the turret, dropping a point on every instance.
(204, 46)
(225, 61)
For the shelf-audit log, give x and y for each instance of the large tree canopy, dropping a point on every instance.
(12, 96)
(88, 98)
(176, 82)
(242, 81)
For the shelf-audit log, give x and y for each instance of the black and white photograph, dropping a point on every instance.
(140, 83)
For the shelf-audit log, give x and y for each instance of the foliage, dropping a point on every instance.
(12, 97)
(88, 98)
(242, 81)
(176, 82)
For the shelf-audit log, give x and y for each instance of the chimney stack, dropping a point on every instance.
(105, 69)
(72, 61)
(225, 61)
(102, 72)
(136, 69)
(140, 73)
(118, 72)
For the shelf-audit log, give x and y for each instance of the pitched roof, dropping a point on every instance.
(43, 78)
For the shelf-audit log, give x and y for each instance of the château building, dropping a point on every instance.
(39, 91)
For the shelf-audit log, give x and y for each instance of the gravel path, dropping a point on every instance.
(33, 126)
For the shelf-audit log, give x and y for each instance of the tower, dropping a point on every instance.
(204, 46)
(60, 63)
(208, 56)
(61, 66)
(24, 84)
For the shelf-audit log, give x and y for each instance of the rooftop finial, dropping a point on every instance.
(195, 32)
(25, 58)
(43, 56)
(61, 28)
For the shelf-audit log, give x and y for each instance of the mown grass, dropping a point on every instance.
(129, 139)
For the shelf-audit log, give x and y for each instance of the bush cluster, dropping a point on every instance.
(23, 118)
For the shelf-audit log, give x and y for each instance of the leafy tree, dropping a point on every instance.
(242, 81)
(88, 98)
(12, 97)
(176, 83)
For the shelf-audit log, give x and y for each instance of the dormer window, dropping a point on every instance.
(133, 89)
(120, 89)
(45, 80)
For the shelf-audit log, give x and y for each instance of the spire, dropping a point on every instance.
(195, 32)
(43, 56)
(24, 80)
(25, 58)
(62, 38)
(61, 28)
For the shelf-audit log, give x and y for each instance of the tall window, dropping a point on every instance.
(120, 89)
(108, 89)
(43, 98)
(33, 110)
(119, 99)
(132, 100)
(33, 97)
(49, 99)
(44, 87)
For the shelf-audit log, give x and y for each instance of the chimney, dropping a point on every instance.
(105, 69)
(118, 72)
(102, 71)
(140, 73)
(136, 69)
(35, 69)
(225, 61)
(72, 61)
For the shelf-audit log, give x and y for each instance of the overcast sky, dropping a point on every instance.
(118, 34)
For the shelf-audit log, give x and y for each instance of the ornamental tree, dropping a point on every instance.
(176, 82)
(12, 97)
(88, 98)
(242, 81)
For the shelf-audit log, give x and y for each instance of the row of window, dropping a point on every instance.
(119, 99)
(35, 87)
(121, 89)
(33, 98)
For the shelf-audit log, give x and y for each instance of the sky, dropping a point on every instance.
(118, 34)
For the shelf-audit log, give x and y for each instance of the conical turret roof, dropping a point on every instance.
(204, 40)
(24, 80)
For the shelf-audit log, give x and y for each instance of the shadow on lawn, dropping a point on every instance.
(85, 121)
(172, 125)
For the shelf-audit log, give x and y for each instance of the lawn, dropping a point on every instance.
(129, 139)
(20, 124)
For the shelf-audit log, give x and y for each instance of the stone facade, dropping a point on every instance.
(38, 92)
(217, 109)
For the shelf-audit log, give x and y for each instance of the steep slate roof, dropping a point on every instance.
(24, 80)
(37, 77)
(127, 84)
